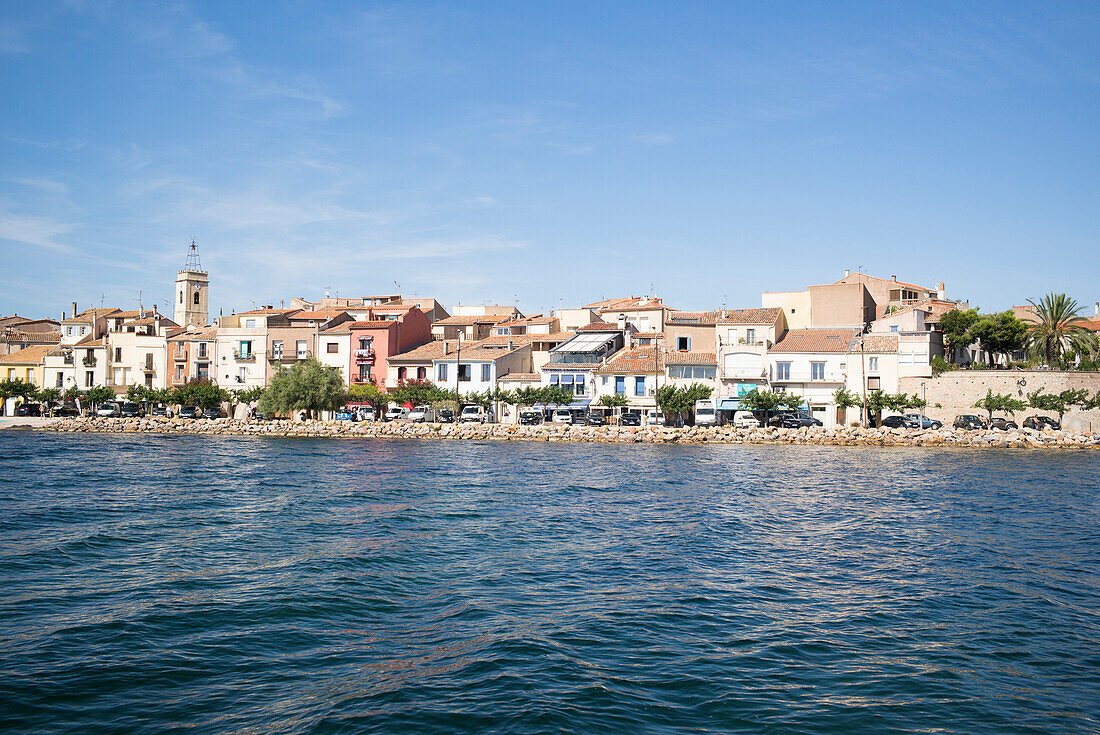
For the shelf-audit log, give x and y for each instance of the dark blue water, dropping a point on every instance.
(222, 585)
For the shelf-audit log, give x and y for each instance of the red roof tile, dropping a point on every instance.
(750, 316)
(633, 361)
(815, 340)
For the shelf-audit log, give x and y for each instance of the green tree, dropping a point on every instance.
(367, 393)
(792, 401)
(876, 401)
(307, 386)
(762, 401)
(1047, 402)
(137, 393)
(990, 403)
(527, 396)
(956, 326)
(845, 399)
(478, 398)
(72, 393)
(413, 392)
(896, 402)
(613, 400)
(198, 392)
(251, 395)
(15, 388)
(100, 394)
(554, 395)
(1058, 329)
(50, 396)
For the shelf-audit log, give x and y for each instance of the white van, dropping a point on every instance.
(473, 415)
(705, 413)
(745, 420)
(396, 413)
(562, 416)
(653, 417)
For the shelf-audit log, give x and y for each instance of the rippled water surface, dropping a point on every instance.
(223, 585)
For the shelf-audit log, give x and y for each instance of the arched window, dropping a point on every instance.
(196, 297)
(421, 373)
(181, 297)
(401, 373)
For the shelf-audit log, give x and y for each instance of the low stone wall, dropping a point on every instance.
(957, 390)
(561, 432)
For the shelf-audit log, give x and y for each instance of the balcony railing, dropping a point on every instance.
(744, 372)
(361, 379)
(805, 376)
(243, 356)
(88, 361)
(281, 356)
(364, 356)
(179, 355)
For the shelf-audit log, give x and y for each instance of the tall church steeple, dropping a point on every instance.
(192, 292)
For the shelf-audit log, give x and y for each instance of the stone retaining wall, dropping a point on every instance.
(561, 432)
(957, 390)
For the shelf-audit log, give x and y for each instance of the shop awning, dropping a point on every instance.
(730, 404)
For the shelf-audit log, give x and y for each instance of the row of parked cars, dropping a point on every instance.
(971, 422)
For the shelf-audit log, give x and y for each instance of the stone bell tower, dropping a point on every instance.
(192, 292)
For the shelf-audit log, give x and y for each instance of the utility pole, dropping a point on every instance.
(863, 379)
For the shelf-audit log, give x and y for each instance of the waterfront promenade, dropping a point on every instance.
(851, 436)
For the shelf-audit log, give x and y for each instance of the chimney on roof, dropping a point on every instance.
(74, 308)
(847, 272)
(1096, 308)
(894, 278)
(942, 293)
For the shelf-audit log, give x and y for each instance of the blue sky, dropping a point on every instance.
(554, 153)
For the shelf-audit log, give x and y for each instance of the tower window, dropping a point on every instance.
(196, 298)
(181, 297)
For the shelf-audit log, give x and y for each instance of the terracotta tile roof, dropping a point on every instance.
(750, 316)
(424, 353)
(89, 315)
(1091, 323)
(692, 317)
(374, 324)
(691, 358)
(125, 314)
(465, 321)
(557, 337)
(499, 340)
(89, 342)
(524, 377)
(11, 321)
(874, 343)
(321, 315)
(633, 361)
(31, 355)
(476, 352)
(627, 302)
(342, 328)
(599, 327)
(268, 312)
(17, 335)
(814, 340)
(205, 334)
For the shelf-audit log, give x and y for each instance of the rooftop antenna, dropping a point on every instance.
(102, 300)
(193, 263)
(398, 287)
(141, 306)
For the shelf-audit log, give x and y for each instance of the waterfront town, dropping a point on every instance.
(820, 353)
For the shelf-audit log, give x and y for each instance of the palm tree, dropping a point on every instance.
(1058, 329)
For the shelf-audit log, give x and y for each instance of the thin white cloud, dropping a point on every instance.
(37, 231)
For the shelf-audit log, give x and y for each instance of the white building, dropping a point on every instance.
(812, 363)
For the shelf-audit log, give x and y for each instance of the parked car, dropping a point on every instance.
(28, 409)
(562, 416)
(923, 422)
(133, 410)
(397, 412)
(654, 417)
(445, 416)
(474, 415)
(792, 421)
(899, 422)
(419, 414)
(745, 420)
(190, 412)
(212, 413)
(344, 416)
(594, 419)
(630, 418)
(67, 410)
(530, 417)
(1041, 422)
(969, 422)
(159, 410)
(1003, 424)
(109, 409)
(365, 413)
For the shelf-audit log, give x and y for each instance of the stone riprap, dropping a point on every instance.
(1021, 438)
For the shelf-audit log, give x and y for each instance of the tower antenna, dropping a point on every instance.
(193, 263)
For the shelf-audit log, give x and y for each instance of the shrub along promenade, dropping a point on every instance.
(1019, 438)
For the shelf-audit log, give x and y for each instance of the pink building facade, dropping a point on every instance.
(389, 331)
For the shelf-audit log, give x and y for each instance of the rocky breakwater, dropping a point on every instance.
(1021, 438)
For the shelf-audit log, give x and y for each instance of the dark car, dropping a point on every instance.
(445, 416)
(1003, 424)
(212, 413)
(631, 419)
(968, 422)
(594, 419)
(132, 410)
(28, 409)
(1041, 422)
(190, 412)
(67, 410)
(159, 410)
(530, 417)
(898, 422)
(792, 421)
